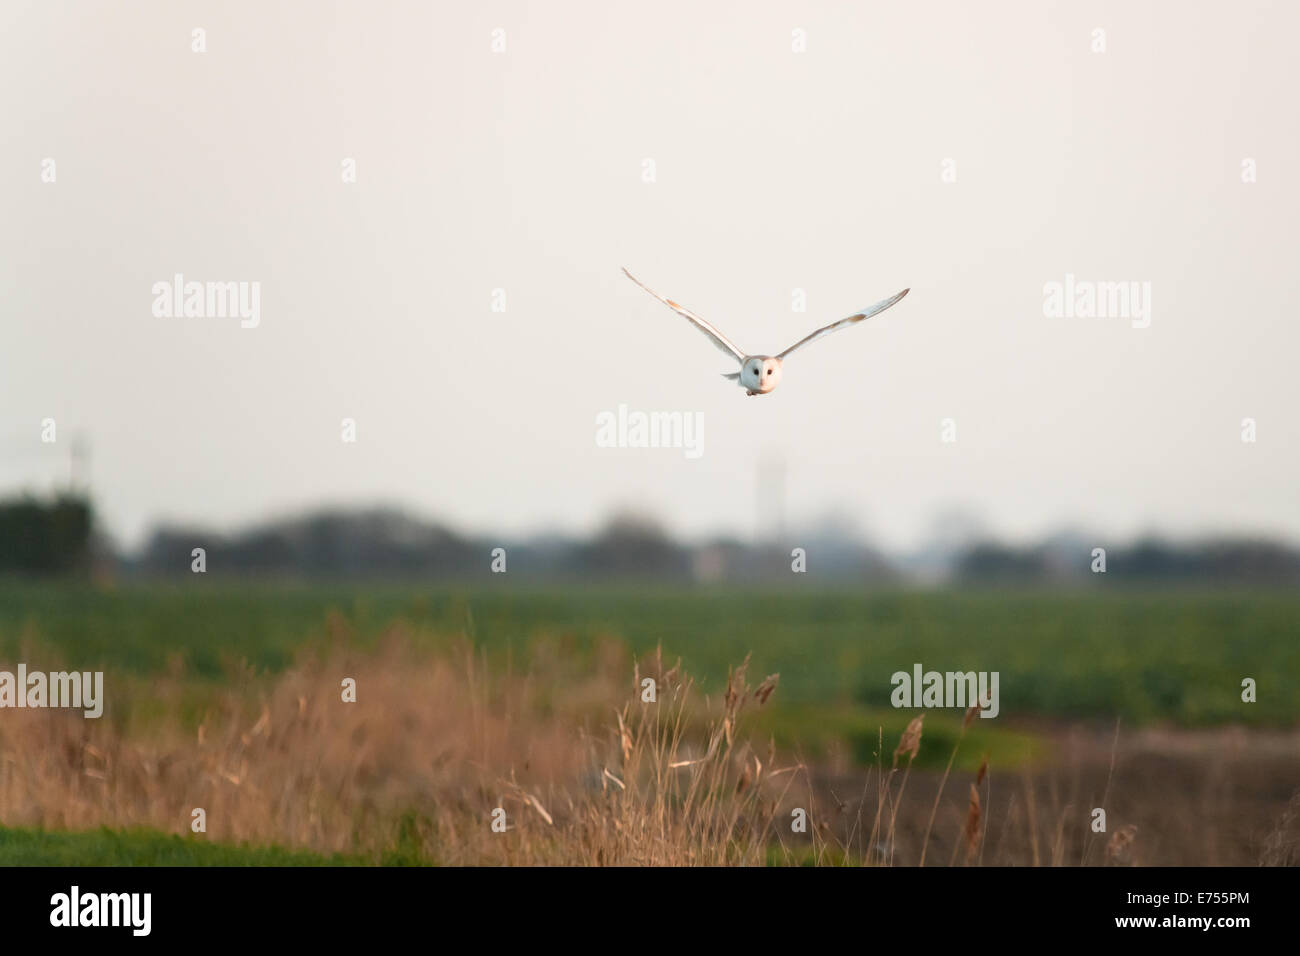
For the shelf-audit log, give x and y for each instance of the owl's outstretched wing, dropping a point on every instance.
(842, 323)
(718, 339)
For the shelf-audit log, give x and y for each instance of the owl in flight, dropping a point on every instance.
(760, 374)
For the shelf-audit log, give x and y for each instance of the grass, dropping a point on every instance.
(142, 847)
(468, 702)
(815, 730)
(435, 751)
(1171, 655)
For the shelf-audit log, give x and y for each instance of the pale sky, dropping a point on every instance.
(774, 170)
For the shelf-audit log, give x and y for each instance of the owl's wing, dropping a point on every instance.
(842, 323)
(718, 339)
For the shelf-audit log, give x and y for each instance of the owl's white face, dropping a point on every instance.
(761, 373)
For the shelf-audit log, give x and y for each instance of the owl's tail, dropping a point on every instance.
(734, 376)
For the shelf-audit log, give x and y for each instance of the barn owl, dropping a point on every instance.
(760, 374)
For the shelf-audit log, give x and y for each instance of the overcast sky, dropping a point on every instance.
(974, 153)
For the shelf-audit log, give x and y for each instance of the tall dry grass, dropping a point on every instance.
(586, 770)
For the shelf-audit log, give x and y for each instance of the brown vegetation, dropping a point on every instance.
(586, 770)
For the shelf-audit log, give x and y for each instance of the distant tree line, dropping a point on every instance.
(57, 537)
(1149, 561)
(389, 544)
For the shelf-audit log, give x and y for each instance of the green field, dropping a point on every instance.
(1173, 655)
(177, 658)
(105, 847)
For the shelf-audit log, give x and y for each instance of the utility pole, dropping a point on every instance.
(770, 500)
(79, 464)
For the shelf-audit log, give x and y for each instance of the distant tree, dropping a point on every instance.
(45, 538)
(997, 563)
(635, 545)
